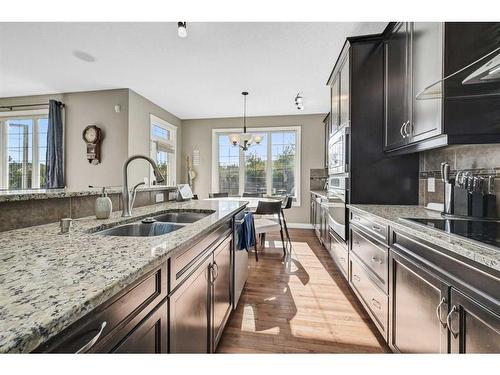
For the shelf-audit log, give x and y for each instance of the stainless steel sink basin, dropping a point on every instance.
(141, 229)
(183, 217)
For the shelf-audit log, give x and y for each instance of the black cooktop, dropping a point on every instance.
(487, 232)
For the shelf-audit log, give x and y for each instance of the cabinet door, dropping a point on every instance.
(189, 312)
(221, 269)
(473, 327)
(396, 73)
(418, 308)
(327, 123)
(426, 68)
(344, 93)
(335, 106)
(150, 336)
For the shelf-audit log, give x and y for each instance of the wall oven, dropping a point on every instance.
(337, 209)
(338, 151)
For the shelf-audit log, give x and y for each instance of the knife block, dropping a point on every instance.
(462, 202)
(490, 204)
(478, 204)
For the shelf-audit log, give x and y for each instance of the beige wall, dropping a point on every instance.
(139, 133)
(82, 109)
(197, 134)
(125, 133)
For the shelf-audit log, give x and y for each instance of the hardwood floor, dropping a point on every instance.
(298, 305)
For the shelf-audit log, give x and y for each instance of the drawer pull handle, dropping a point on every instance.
(356, 277)
(355, 242)
(448, 321)
(376, 303)
(376, 228)
(356, 218)
(342, 259)
(92, 342)
(438, 312)
(377, 260)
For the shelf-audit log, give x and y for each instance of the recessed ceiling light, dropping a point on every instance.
(182, 29)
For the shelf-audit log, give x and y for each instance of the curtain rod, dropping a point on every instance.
(25, 105)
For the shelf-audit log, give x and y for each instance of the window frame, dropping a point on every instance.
(35, 115)
(268, 130)
(171, 143)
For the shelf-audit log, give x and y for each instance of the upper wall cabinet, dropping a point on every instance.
(427, 103)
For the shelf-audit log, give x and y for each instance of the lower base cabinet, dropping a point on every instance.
(150, 336)
(473, 327)
(200, 306)
(189, 312)
(418, 308)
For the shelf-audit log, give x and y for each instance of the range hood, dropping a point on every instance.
(488, 72)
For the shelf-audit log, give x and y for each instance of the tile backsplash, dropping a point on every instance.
(318, 178)
(479, 159)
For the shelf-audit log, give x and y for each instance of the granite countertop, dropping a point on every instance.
(486, 255)
(50, 280)
(24, 195)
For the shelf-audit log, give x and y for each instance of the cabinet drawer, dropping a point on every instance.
(182, 263)
(135, 303)
(339, 253)
(374, 300)
(377, 230)
(373, 255)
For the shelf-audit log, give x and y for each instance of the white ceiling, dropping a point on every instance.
(201, 76)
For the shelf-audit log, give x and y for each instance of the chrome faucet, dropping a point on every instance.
(128, 198)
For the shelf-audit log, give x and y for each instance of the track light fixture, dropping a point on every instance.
(299, 102)
(182, 29)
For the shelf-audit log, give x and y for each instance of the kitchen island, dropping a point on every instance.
(49, 281)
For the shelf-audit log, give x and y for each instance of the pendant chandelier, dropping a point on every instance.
(244, 140)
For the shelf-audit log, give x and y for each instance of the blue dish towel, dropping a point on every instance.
(246, 234)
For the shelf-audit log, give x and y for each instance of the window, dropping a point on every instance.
(163, 148)
(271, 167)
(23, 148)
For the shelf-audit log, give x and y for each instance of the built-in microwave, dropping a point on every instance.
(338, 151)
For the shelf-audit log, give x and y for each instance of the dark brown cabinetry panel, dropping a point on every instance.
(189, 312)
(221, 289)
(149, 337)
(396, 86)
(418, 308)
(473, 327)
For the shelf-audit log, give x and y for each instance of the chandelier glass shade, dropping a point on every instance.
(244, 140)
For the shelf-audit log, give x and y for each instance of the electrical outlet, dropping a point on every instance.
(431, 185)
(159, 197)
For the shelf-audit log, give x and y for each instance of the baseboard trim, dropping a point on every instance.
(299, 225)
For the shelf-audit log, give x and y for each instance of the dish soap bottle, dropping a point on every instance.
(103, 205)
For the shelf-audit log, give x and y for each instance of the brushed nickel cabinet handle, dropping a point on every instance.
(356, 277)
(376, 228)
(92, 342)
(448, 321)
(376, 303)
(377, 260)
(401, 130)
(356, 218)
(438, 312)
(342, 259)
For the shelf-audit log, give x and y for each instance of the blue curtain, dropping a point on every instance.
(54, 176)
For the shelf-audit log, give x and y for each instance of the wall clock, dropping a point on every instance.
(92, 136)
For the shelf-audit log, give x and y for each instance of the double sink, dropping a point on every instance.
(157, 225)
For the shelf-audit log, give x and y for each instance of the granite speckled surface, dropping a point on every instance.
(393, 215)
(50, 280)
(23, 195)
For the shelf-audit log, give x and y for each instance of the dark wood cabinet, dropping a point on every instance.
(189, 312)
(149, 337)
(335, 105)
(426, 41)
(221, 289)
(419, 55)
(473, 327)
(396, 82)
(418, 308)
(345, 98)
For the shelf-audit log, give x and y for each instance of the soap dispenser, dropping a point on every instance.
(103, 205)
